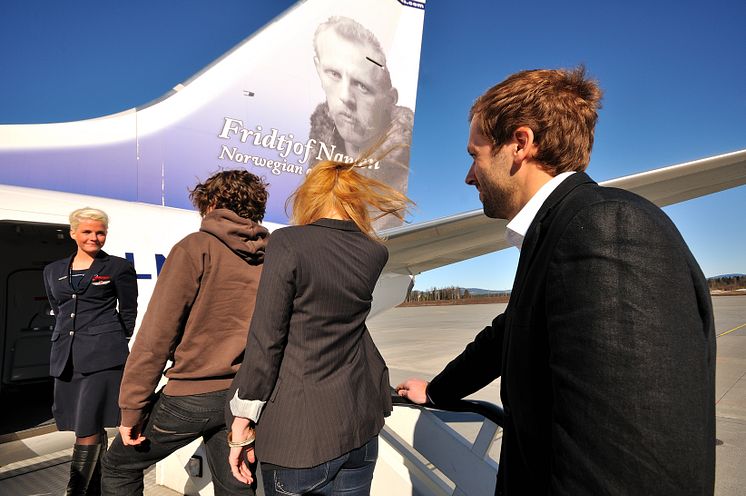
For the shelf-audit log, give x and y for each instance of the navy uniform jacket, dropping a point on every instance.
(606, 353)
(87, 322)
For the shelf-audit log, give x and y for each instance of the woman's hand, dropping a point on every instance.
(239, 456)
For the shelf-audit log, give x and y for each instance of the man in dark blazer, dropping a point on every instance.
(606, 350)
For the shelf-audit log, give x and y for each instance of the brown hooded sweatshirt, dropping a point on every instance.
(199, 314)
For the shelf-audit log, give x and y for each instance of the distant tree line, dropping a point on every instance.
(727, 283)
(450, 293)
(453, 293)
(438, 294)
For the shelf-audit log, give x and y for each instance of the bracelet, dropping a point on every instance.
(239, 444)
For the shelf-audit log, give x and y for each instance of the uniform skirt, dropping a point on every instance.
(86, 403)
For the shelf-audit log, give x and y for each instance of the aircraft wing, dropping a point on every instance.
(429, 245)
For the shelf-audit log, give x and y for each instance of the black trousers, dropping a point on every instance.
(174, 422)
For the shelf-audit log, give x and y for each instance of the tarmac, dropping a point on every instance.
(419, 342)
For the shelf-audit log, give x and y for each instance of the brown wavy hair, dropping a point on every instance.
(237, 190)
(333, 185)
(560, 106)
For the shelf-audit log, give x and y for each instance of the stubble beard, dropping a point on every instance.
(498, 202)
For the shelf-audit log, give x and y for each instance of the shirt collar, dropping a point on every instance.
(517, 228)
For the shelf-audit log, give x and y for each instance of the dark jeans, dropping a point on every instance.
(351, 475)
(174, 422)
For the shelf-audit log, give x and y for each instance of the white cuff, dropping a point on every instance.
(250, 409)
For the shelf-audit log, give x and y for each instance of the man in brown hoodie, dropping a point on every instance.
(198, 318)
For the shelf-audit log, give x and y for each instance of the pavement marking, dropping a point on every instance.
(734, 329)
(731, 387)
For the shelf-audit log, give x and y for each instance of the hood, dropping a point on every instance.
(245, 237)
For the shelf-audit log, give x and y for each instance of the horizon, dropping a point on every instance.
(720, 276)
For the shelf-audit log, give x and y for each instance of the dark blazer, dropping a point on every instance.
(309, 354)
(87, 323)
(606, 352)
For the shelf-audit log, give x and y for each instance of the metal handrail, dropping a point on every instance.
(486, 409)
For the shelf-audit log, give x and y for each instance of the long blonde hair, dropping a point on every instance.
(338, 186)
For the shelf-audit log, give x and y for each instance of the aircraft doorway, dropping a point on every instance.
(26, 322)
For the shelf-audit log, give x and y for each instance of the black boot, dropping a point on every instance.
(94, 487)
(82, 466)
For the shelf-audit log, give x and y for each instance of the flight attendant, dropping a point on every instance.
(89, 342)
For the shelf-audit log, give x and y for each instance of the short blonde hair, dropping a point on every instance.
(88, 213)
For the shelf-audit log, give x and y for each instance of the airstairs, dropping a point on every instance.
(422, 452)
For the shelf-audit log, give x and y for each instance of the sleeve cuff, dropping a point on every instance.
(131, 417)
(250, 409)
(427, 395)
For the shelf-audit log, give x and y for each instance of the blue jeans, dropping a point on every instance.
(351, 475)
(174, 422)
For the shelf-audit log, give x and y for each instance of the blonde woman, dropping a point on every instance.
(89, 343)
(313, 388)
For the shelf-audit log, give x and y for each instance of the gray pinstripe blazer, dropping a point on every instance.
(309, 354)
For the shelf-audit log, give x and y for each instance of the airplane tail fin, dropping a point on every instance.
(322, 81)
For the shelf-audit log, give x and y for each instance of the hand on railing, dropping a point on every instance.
(486, 409)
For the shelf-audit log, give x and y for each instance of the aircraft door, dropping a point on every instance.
(28, 330)
(26, 322)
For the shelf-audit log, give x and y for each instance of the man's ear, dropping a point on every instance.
(523, 143)
(317, 63)
(393, 96)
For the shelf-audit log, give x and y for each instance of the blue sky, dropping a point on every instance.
(674, 77)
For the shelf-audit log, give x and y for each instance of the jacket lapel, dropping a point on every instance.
(538, 227)
(97, 266)
(531, 242)
(60, 275)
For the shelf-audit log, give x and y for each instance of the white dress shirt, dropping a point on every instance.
(517, 228)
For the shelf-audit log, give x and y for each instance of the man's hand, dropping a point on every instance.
(413, 390)
(237, 458)
(131, 436)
